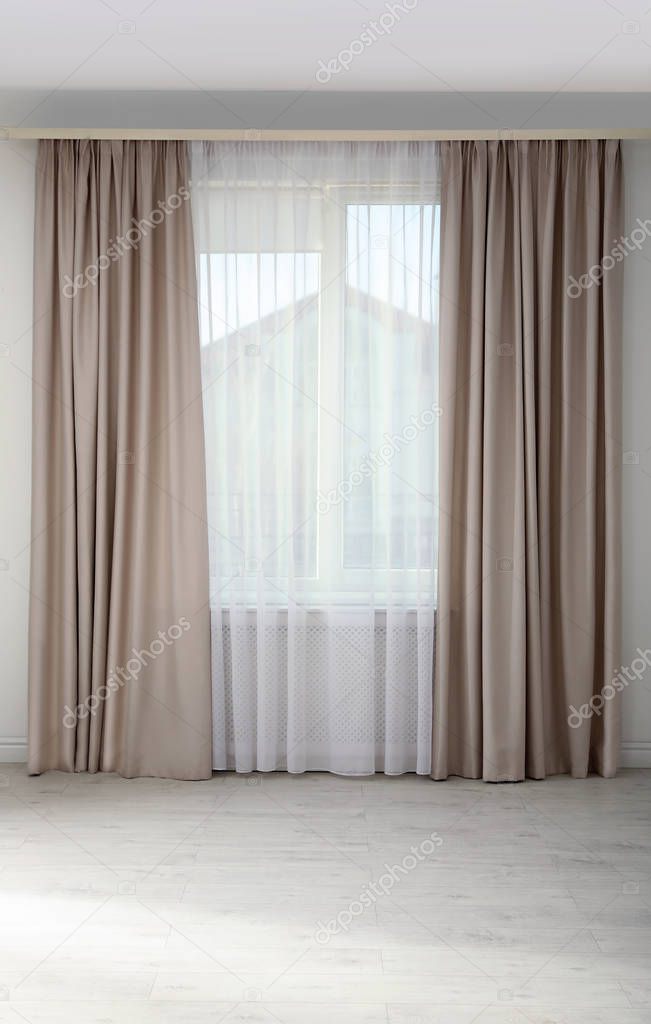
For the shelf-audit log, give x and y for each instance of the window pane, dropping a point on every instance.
(260, 338)
(390, 386)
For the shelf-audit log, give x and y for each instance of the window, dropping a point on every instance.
(319, 346)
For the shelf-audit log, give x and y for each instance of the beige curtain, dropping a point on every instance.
(119, 627)
(528, 603)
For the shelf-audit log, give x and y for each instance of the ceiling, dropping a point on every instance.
(437, 45)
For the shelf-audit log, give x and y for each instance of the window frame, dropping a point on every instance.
(340, 585)
(351, 583)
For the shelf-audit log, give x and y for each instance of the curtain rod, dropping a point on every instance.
(319, 135)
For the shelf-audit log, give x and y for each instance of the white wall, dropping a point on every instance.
(16, 231)
(636, 425)
(16, 247)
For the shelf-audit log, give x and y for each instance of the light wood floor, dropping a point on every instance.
(247, 899)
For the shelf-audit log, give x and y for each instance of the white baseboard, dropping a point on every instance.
(13, 749)
(635, 754)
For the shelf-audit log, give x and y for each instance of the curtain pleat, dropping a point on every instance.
(119, 617)
(530, 456)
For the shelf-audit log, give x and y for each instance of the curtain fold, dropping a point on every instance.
(530, 456)
(119, 618)
(318, 272)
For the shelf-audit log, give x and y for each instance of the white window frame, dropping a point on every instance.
(343, 586)
(349, 583)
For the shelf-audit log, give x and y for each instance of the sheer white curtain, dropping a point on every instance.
(318, 272)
